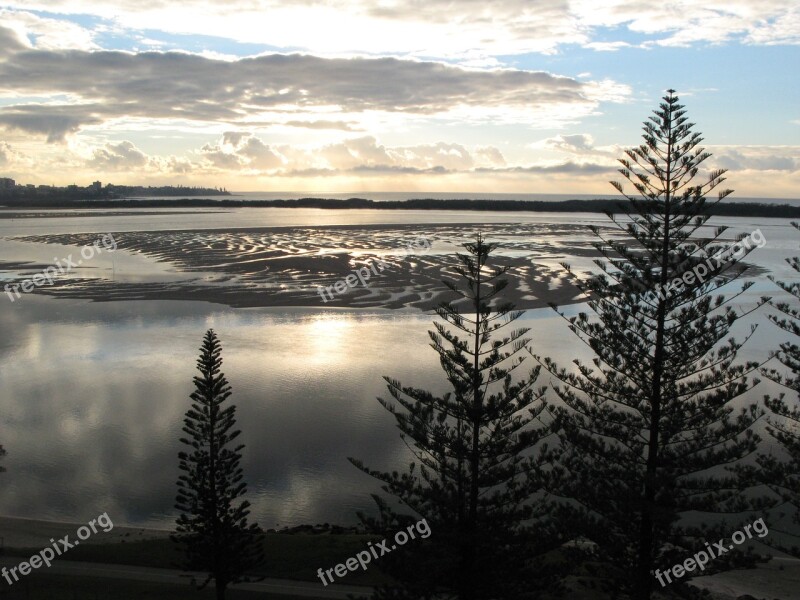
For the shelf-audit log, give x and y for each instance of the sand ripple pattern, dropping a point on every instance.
(285, 266)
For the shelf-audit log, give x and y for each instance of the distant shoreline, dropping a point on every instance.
(733, 209)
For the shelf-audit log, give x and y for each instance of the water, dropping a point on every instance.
(388, 196)
(93, 394)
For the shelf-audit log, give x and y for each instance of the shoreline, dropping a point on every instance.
(21, 532)
(733, 209)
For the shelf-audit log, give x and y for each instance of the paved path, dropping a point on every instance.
(779, 578)
(276, 586)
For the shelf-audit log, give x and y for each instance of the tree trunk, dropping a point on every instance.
(470, 557)
(644, 585)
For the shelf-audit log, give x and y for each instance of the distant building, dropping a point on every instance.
(7, 184)
(96, 186)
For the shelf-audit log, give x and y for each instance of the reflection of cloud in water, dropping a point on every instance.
(97, 429)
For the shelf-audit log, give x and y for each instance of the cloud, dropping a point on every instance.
(490, 156)
(11, 41)
(6, 153)
(260, 156)
(756, 158)
(339, 125)
(46, 33)
(233, 138)
(179, 86)
(686, 22)
(606, 46)
(364, 151)
(576, 143)
(220, 158)
(734, 158)
(237, 152)
(569, 168)
(120, 156)
(53, 121)
(467, 30)
(244, 152)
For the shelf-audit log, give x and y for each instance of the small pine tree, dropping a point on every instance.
(782, 476)
(650, 425)
(212, 528)
(477, 451)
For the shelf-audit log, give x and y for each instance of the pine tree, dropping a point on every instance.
(477, 454)
(212, 528)
(649, 426)
(783, 476)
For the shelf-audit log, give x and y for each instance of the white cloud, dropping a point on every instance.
(469, 30)
(684, 22)
(46, 33)
(240, 152)
(489, 156)
(120, 156)
(260, 155)
(579, 149)
(756, 158)
(6, 154)
(606, 46)
(577, 143)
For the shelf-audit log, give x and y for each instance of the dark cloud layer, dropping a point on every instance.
(177, 85)
(53, 121)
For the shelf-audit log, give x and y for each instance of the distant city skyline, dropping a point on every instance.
(514, 96)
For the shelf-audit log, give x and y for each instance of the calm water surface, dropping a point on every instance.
(93, 394)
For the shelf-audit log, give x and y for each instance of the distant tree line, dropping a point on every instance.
(730, 209)
(74, 195)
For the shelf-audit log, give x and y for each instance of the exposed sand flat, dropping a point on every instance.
(34, 533)
(402, 265)
(287, 266)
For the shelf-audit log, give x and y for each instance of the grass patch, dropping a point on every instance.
(295, 556)
(43, 586)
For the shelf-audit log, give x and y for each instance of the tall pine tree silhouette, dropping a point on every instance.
(477, 454)
(212, 528)
(649, 425)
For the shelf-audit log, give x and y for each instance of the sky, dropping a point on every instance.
(508, 96)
